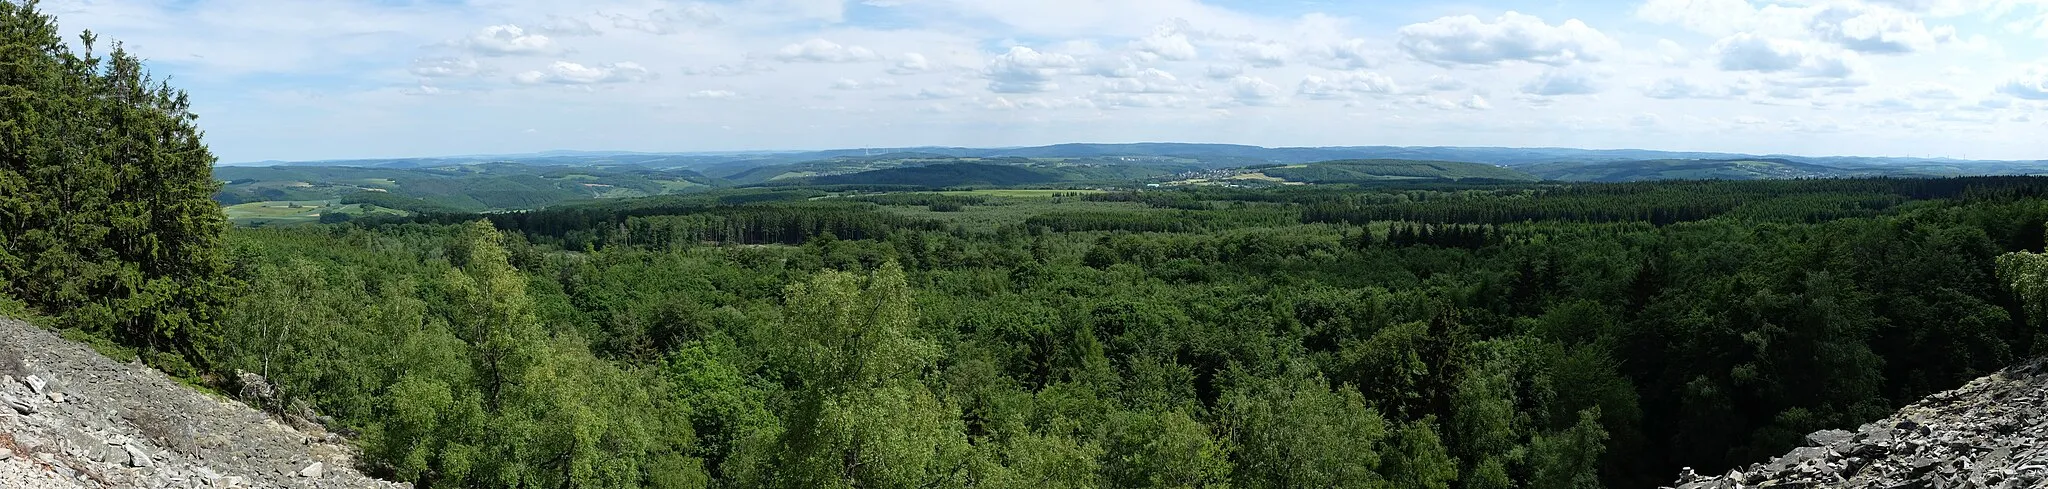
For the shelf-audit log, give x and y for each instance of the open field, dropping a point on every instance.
(274, 212)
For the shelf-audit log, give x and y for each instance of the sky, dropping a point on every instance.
(336, 79)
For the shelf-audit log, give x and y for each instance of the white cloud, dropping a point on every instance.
(1264, 54)
(1150, 80)
(1167, 42)
(567, 73)
(1878, 30)
(714, 94)
(852, 84)
(742, 69)
(2030, 84)
(1513, 36)
(1716, 17)
(1349, 54)
(1110, 100)
(445, 67)
(1443, 83)
(934, 93)
(1476, 103)
(1252, 90)
(1678, 87)
(561, 26)
(1346, 86)
(911, 64)
(670, 21)
(823, 51)
(1036, 103)
(1223, 72)
(1025, 70)
(1556, 81)
(1932, 91)
(1750, 52)
(509, 40)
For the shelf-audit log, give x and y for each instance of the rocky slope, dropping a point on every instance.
(70, 418)
(1990, 433)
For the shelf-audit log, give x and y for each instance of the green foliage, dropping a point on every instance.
(1534, 336)
(105, 190)
(1348, 171)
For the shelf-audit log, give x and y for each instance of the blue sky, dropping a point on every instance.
(327, 79)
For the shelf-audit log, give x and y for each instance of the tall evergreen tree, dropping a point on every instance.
(106, 216)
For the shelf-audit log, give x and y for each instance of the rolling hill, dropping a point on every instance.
(1364, 171)
(1700, 169)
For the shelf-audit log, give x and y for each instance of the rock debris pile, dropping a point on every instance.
(1990, 433)
(70, 418)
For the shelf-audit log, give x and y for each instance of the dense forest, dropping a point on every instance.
(1484, 336)
(1468, 335)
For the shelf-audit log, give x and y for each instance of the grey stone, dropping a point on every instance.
(6, 454)
(35, 384)
(18, 405)
(1828, 437)
(312, 471)
(136, 457)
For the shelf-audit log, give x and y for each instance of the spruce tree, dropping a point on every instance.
(106, 214)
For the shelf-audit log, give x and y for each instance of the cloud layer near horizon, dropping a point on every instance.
(319, 79)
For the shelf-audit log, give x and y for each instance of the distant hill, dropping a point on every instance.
(813, 163)
(1357, 171)
(1701, 169)
(944, 175)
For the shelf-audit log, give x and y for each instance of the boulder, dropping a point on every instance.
(312, 471)
(19, 406)
(136, 457)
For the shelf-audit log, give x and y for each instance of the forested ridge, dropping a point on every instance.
(1428, 335)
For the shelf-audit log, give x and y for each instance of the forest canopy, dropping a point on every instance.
(1470, 335)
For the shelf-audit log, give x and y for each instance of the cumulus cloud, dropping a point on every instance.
(567, 73)
(1223, 72)
(1476, 102)
(445, 67)
(1349, 54)
(1751, 52)
(1167, 42)
(1150, 80)
(1346, 86)
(1264, 54)
(1878, 30)
(1025, 70)
(509, 40)
(1513, 36)
(2030, 84)
(1556, 82)
(911, 64)
(1115, 66)
(1252, 90)
(823, 51)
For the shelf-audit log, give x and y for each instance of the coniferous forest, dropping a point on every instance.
(1427, 335)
